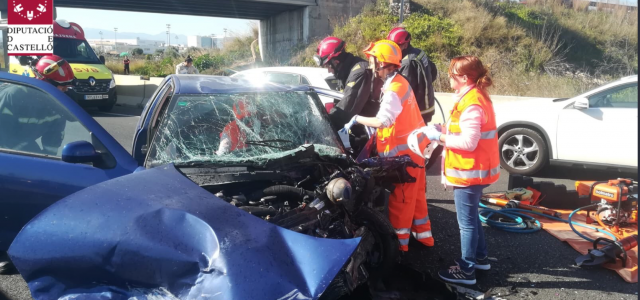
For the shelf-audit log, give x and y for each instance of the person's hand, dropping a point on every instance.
(433, 133)
(352, 122)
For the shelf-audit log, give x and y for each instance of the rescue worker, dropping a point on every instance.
(33, 117)
(232, 136)
(419, 71)
(355, 79)
(30, 117)
(398, 117)
(186, 67)
(470, 161)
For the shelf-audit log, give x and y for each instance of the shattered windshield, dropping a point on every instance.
(241, 128)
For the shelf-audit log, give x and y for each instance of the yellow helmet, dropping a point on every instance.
(385, 51)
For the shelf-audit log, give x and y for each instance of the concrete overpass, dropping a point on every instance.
(284, 24)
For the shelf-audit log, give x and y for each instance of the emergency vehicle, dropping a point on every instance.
(95, 85)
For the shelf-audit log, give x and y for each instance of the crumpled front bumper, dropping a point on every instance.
(155, 234)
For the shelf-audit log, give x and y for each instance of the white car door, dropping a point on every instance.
(605, 132)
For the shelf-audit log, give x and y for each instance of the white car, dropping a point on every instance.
(597, 129)
(316, 77)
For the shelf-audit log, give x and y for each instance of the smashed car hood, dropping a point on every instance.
(155, 234)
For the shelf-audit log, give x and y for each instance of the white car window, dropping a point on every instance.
(625, 96)
(283, 78)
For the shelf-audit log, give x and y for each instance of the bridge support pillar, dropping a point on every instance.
(283, 34)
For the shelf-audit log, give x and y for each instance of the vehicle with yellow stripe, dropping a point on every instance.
(95, 85)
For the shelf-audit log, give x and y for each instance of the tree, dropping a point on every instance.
(137, 51)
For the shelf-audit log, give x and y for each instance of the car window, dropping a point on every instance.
(75, 51)
(34, 122)
(304, 80)
(283, 78)
(333, 83)
(618, 97)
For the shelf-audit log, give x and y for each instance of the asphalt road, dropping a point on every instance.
(530, 266)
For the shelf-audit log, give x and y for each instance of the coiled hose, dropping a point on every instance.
(520, 220)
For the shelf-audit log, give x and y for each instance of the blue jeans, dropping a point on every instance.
(467, 200)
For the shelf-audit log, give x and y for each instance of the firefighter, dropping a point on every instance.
(398, 117)
(31, 117)
(419, 71)
(36, 118)
(355, 79)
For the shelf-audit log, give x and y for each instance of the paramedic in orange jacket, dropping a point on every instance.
(399, 115)
(470, 161)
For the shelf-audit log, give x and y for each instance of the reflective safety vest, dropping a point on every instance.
(392, 141)
(482, 165)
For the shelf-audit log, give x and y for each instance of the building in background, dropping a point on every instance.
(205, 42)
(126, 45)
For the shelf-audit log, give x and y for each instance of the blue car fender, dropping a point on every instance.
(158, 235)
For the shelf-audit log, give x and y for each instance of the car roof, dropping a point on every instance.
(309, 71)
(623, 80)
(210, 84)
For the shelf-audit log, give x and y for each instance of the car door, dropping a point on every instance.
(37, 121)
(604, 133)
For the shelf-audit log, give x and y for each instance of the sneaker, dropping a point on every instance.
(455, 275)
(481, 264)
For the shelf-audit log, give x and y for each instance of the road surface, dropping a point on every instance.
(530, 266)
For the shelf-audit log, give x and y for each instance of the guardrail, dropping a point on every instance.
(135, 91)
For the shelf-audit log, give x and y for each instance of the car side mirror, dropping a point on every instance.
(80, 152)
(102, 59)
(581, 103)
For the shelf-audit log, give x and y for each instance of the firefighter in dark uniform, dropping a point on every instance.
(361, 92)
(419, 71)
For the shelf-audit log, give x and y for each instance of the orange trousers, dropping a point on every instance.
(408, 210)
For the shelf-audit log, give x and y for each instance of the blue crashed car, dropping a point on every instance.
(233, 190)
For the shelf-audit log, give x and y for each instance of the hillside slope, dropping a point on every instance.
(541, 49)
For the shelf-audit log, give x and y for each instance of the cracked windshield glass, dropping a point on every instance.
(240, 128)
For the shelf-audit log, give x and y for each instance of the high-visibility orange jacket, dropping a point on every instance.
(392, 141)
(482, 165)
(237, 136)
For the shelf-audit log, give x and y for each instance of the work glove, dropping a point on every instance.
(352, 122)
(433, 134)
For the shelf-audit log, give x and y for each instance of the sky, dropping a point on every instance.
(151, 23)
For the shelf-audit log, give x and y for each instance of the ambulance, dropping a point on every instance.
(95, 85)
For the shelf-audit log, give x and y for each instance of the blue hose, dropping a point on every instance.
(520, 226)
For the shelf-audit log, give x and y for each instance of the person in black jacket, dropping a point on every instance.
(361, 92)
(419, 71)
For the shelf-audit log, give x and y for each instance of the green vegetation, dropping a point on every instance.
(543, 48)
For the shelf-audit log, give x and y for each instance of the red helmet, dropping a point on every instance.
(54, 69)
(399, 35)
(329, 48)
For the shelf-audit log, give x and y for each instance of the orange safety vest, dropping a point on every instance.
(392, 141)
(482, 165)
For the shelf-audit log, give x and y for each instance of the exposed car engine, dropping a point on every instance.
(327, 201)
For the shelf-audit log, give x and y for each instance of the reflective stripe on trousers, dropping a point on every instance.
(421, 235)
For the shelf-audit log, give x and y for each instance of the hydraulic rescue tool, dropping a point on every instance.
(617, 202)
(608, 253)
(518, 204)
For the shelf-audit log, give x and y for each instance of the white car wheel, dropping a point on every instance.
(522, 151)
